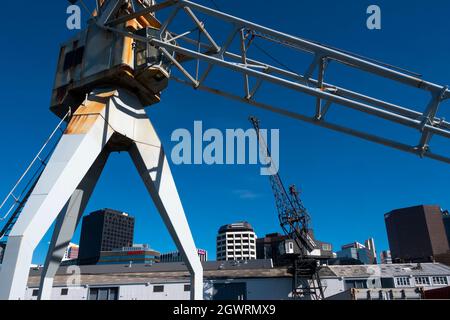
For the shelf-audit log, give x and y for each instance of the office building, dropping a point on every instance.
(416, 234)
(446, 219)
(71, 252)
(236, 241)
(269, 247)
(176, 256)
(2, 251)
(137, 254)
(104, 230)
(370, 246)
(366, 254)
(385, 257)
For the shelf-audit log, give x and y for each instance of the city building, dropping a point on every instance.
(71, 252)
(176, 256)
(2, 251)
(236, 241)
(446, 219)
(416, 234)
(137, 254)
(269, 247)
(385, 257)
(104, 230)
(241, 280)
(366, 254)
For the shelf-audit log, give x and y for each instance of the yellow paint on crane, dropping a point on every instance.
(86, 115)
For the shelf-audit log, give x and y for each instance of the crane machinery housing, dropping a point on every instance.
(122, 61)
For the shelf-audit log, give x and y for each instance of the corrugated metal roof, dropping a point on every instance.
(162, 272)
(177, 272)
(391, 270)
(164, 267)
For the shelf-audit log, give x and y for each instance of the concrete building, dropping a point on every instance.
(2, 250)
(416, 234)
(176, 256)
(385, 257)
(71, 252)
(137, 254)
(241, 280)
(269, 248)
(104, 230)
(366, 254)
(446, 219)
(236, 241)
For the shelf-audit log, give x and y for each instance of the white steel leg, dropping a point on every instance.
(154, 170)
(78, 149)
(66, 225)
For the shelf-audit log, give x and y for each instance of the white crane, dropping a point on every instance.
(122, 61)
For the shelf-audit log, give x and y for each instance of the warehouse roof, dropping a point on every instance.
(177, 272)
(162, 272)
(391, 270)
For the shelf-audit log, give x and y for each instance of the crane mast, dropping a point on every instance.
(293, 217)
(295, 222)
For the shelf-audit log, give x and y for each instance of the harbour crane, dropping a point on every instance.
(295, 222)
(126, 57)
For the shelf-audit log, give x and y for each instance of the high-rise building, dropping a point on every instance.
(416, 234)
(71, 252)
(446, 219)
(385, 257)
(176, 256)
(104, 230)
(269, 247)
(366, 253)
(137, 254)
(370, 246)
(2, 251)
(236, 241)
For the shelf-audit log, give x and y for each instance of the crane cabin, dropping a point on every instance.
(97, 57)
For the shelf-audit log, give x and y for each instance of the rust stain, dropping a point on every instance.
(86, 115)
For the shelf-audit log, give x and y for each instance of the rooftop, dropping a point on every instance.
(177, 272)
(390, 270)
(234, 227)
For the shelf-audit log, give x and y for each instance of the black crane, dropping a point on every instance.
(295, 222)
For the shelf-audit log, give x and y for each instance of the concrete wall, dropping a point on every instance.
(257, 289)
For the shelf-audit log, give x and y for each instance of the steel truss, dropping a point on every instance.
(217, 54)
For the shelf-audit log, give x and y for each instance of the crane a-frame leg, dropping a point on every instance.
(155, 172)
(115, 121)
(66, 225)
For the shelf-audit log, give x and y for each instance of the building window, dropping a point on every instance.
(440, 280)
(356, 284)
(64, 292)
(103, 293)
(424, 281)
(158, 289)
(187, 288)
(402, 282)
(35, 292)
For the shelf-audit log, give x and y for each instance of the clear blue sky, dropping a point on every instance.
(347, 184)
